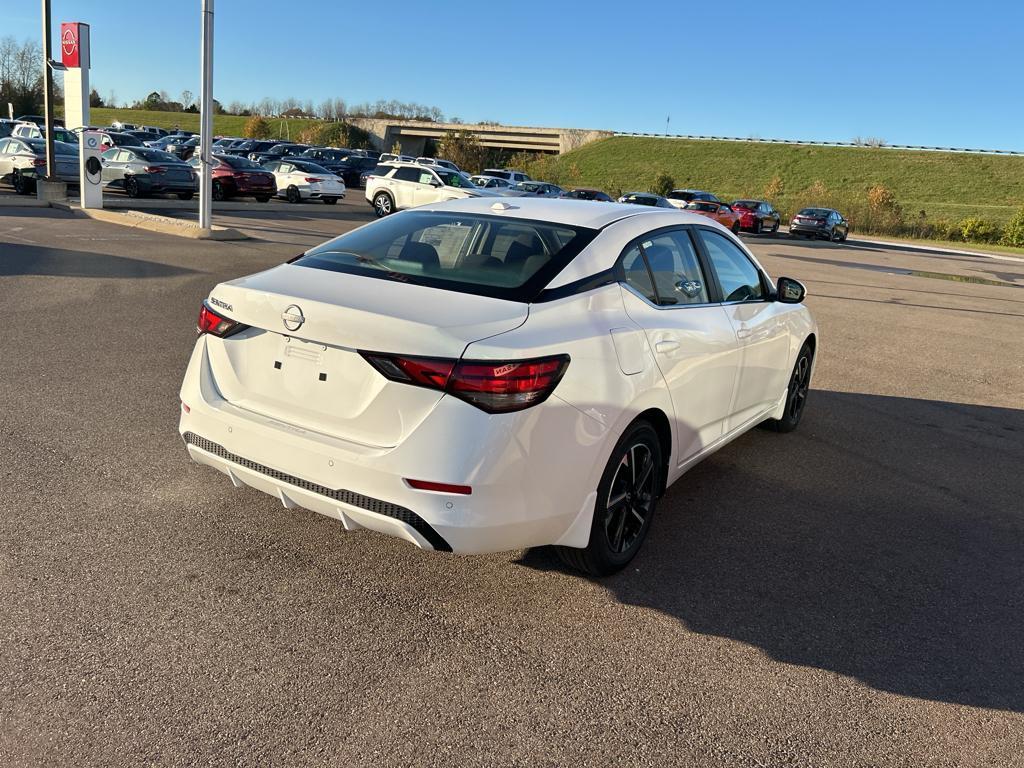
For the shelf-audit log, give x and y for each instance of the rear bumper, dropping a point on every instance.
(163, 185)
(805, 229)
(532, 472)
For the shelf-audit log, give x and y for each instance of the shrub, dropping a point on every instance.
(256, 128)
(1013, 233)
(663, 184)
(463, 148)
(975, 229)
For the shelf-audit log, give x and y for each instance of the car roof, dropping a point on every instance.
(573, 213)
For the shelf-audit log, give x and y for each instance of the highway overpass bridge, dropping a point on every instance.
(412, 135)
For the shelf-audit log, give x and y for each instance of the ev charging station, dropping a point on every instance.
(74, 50)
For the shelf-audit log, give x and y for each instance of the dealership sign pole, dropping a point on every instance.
(206, 117)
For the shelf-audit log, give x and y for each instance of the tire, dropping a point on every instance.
(22, 186)
(131, 186)
(775, 228)
(735, 228)
(186, 195)
(383, 205)
(796, 397)
(218, 192)
(262, 198)
(330, 201)
(624, 508)
(846, 234)
(834, 236)
(292, 194)
(757, 226)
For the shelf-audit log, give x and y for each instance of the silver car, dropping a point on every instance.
(141, 171)
(539, 189)
(22, 161)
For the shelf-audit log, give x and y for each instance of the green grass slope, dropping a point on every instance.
(226, 125)
(944, 184)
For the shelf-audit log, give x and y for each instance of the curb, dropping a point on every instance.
(154, 223)
(896, 244)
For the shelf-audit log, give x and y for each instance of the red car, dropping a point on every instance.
(757, 216)
(235, 176)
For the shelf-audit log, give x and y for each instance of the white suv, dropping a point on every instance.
(511, 176)
(407, 185)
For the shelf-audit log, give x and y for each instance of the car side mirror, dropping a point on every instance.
(790, 291)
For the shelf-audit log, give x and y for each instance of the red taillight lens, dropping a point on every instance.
(313, 180)
(39, 161)
(492, 386)
(155, 169)
(210, 322)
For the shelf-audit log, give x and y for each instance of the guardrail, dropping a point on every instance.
(823, 143)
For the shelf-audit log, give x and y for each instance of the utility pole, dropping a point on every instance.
(48, 90)
(206, 118)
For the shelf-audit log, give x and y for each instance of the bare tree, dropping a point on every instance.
(186, 98)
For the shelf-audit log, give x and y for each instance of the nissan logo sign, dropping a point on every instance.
(293, 318)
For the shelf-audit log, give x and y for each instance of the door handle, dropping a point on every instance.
(743, 333)
(666, 346)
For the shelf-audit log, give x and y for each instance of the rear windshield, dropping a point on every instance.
(746, 204)
(819, 213)
(156, 155)
(487, 255)
(677, 194)
(239, 162)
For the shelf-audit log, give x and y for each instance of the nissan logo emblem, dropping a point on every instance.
(293, 318)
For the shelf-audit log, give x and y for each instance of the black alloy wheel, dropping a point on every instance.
(796, 397)
(218, 191)
(626, 500)
(131, 186)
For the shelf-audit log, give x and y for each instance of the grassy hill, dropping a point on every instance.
(227, 125)
(943, 184)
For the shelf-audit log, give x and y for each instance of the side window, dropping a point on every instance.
(677, 275)
(426, 177)
(407, 174)
(4, 144)
(739, 278)
(634, 269)
(285, 168)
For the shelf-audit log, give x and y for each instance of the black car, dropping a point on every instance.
(182, 146)
(352, 168)
(250, 146)
(825, 223)
(38, 120)
(325, 156)
(584, 193)
(276, 152)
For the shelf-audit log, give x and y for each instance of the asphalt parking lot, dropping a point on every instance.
(850, 594)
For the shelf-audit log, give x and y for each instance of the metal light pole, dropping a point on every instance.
(206, 118)
(48, 90)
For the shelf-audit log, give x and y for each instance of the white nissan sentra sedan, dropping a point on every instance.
(477, 376)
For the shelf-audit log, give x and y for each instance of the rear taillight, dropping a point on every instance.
(39, 161)
(155, 169)
(313, 180)
(210, 322)
(492, 386)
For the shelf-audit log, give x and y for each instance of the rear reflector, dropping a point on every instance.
(212, 323)
(493, 386)
(427, 485)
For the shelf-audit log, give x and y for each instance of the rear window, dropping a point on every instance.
(681, 195)
(239, 162)
(495, 256)
(819, 213)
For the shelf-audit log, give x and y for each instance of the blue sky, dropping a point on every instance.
(909, 72)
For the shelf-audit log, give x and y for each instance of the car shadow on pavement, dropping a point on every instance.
(62, 262)
(883, 540)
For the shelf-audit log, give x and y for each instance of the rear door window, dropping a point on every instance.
(673, 261)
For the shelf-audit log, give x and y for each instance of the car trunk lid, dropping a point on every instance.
(299, 362)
